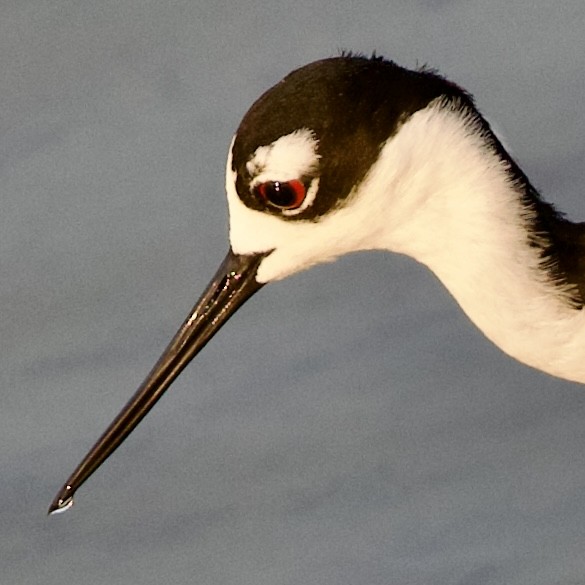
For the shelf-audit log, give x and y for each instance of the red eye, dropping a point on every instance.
(285, 195)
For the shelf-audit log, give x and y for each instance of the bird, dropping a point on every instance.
(353, 153)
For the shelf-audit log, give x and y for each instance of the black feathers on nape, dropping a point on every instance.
(426, 68)
(349, 54)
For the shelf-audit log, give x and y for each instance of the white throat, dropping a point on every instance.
(438, 194)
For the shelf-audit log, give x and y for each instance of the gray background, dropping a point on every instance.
(349, 426)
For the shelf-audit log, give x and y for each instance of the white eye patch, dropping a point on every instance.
(292, 156)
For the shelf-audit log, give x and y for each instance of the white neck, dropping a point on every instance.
(454, 208)
(438, 193)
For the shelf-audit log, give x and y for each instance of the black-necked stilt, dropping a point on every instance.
(354, 153)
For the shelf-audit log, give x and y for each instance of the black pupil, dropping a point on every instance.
(281, 194)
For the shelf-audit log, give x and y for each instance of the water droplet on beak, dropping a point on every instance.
(64, 505)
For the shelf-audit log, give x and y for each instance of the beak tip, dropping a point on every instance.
(62, 502)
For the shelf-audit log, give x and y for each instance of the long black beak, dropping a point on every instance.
(232, 285)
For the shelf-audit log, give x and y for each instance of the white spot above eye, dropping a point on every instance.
(290, 157)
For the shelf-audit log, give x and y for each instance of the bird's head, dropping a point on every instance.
(306, 178)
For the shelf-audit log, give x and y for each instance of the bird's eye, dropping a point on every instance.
(283, 195)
